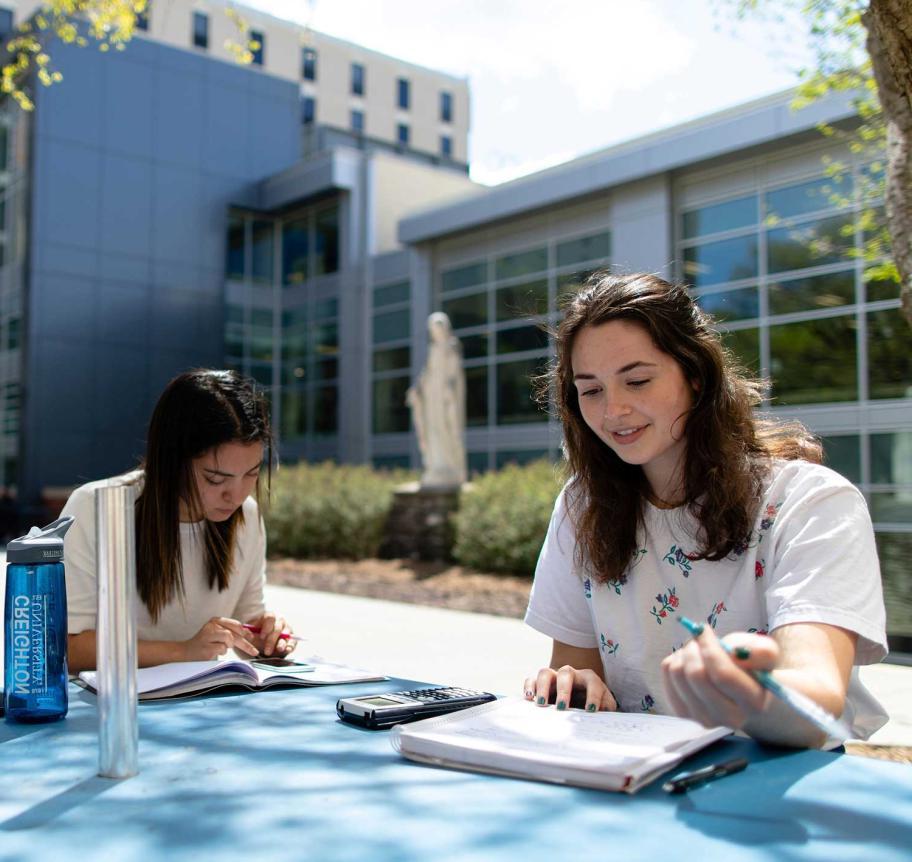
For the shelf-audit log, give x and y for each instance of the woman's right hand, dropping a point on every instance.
(567, 686)
(215, 639)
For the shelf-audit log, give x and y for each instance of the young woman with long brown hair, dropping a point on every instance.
(682, 502)
(200, 542)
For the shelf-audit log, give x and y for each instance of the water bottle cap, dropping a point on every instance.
(40, 544)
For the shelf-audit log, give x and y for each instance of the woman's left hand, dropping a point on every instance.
(268, 641)
(712, 686)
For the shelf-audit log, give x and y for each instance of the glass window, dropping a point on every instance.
(476, 396)
(260, 347)
(326, 308)
(200, 30)
(402, 134)
(390, 293)
(521, 338)
(569, 284)
(309, 64)
(891, 507)
(391, 462)
(357, 121)
(357, 79)
(518, 456)
(261, 318)
(731, 304)
(474, 346)
(295, 251)
(891, 458)
(464, 276)
(4, 147)
(257, 47)
(523, 263)
(13, 333)
(326, 405)
(889, 355)
(717, 262)
(465, 311)
(234, 344)
(894, 551)
(842, 453)
(808, 197)
(391, 326)
(446, 107)
(326, 349)
(294, 413)
(308, 109)
(294, 352)
(262, 251)
(262, 373)
(477, 462)
(741, 212)
(234, 254)
(390, 412)
(326, 241)
(515, 403)
(446, 146)
(745, 346)
(882, 289)
(814, 361)
(810, 244)
(402, 93)
(294, 317)
(593, 247)
(392, 359)
(522, 300)
(818, 291)
(234, 313)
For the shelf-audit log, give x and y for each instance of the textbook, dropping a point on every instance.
(188, 678)
(513, 737)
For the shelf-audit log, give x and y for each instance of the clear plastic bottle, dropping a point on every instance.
(35, 626)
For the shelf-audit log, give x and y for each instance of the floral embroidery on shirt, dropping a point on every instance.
(616, 585)
(608, 646)
(668, 601)
(638, 555)
(587, 588)
(678, 557)
(742, 545)
(647, 703)
(759, 569)
(769, 516)
(756, 631)
(713, 617)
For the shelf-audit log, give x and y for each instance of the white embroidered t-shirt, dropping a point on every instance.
(811, 557)
(184, 615)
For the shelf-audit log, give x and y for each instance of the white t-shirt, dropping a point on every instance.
(811, 558)
(184, 615)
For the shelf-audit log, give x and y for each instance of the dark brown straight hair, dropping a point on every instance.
(198, 411)
(728, 449)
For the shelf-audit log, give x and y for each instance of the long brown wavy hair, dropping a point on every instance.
(198, 411)
(728, 448)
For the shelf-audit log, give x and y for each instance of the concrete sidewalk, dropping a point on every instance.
(480, 651)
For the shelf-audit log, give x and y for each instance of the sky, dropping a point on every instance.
(550, 81)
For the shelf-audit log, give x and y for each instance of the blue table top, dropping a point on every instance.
(274, 775)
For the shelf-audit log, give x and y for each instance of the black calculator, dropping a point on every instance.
(380, 711)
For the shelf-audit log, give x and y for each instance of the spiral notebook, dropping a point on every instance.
(602, 750)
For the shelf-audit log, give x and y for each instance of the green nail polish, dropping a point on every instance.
(742, 652)
(591, 707)
(541, 701)
(561, 704)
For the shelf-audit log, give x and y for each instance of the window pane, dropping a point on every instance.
(357, 79)
(326, 400)
(593, 247)
(819, 291)
(402, 134)
(889, 355)
(200, 30)
(262, 252)
(718, 217)
(390, 412)
(716, 262)
(261, 317)
(474, 346)
(814, 361)
(568, 285)
(326, 241)
(234, 313)
(309, 64)
(522, 300)
(357, 121)
(234, 261)
(234, 343)
(518, 456)
(295, 250)
(464, 276)
(514, 392)
(257, 47)
(891, 507)
(745, 345)
(294, 413)
(402, 93)
(308, 109)
(326, 308)
(895, 551)
(446, 107)
(891, 458)
(261, 372)
(808, 197)
(882, 290)
(326, 350)
(477, 462)
(521, 264)
(390, 293)
(13, 339)
(731, 304)
(812, 244)
(446, 146)
(391, 326)
(842, 454)
(476, 396)
(390, 360)
(522, 338)
(465, 311)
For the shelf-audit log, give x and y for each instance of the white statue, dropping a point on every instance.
(437, 401)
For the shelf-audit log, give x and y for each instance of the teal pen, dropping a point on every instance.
(800, 703)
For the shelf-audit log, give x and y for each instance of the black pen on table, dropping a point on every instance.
(685, 780)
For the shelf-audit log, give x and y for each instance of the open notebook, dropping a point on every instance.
(187, 678)
(602, 750)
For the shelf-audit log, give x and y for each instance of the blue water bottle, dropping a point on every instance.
(35, 626)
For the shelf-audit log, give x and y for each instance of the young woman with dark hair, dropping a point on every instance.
(200, 541)
(682, 502)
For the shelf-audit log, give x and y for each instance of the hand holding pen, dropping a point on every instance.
(271, 635)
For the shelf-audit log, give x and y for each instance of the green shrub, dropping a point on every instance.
(503, 518)
(330, 510)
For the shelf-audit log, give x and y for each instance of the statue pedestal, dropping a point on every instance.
(419, 526)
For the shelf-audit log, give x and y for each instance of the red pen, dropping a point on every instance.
(286, 636)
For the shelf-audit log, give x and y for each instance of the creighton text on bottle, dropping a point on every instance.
(28, 644)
